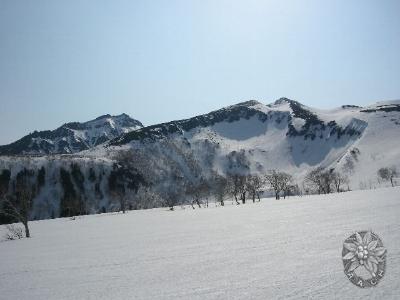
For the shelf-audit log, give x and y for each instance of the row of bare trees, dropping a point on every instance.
(234, 185)
(221, 188)
(279, 182)
(238, 187)
(324, 181)
(242, 186)
(130, 188)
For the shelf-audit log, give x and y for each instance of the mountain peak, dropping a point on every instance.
(284, 100)
(103, 117)
(107, 116)
(248, 103)
(74, 136)
(123, 115)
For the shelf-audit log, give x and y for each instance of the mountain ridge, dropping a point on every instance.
(72, 137)
(232, 113)
(248, 138)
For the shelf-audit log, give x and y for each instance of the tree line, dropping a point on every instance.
(130, 187)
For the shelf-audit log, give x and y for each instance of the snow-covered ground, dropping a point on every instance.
(270, 250)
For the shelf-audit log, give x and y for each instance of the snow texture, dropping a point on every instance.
(287, 249)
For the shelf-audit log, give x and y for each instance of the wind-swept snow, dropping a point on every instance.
(270, 250)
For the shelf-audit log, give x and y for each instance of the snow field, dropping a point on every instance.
(286, 249)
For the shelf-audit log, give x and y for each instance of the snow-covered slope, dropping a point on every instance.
(73, 137)
(246, 138)
(286, 135)
(289, 249)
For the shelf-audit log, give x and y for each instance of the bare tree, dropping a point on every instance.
(313, 180)
(320, 180)
(291, 189)
(19, 204)
(338, 180)
(197, 190)
(327, 180)
(387, 174)
(237, 187)
(220, 188)
(243, 188)
(254, 183)
(278, 181)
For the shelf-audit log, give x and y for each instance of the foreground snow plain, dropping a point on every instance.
(287, 249)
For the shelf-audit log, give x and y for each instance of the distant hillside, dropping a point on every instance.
(72, 137)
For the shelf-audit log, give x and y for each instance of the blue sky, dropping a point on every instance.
(158, 61)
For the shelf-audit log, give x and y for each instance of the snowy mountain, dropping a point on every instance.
(251, 137)
(246, 138)
(73, 137)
